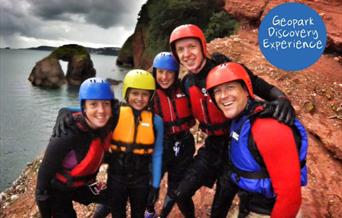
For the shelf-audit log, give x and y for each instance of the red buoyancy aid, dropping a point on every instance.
(175, 111)
(212, 121)
(86, 169)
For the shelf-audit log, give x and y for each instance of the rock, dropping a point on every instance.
(309, 107)
(14, 197)
(48, 71)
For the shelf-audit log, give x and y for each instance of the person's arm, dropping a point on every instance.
(56, 151)
(284, 112)
(277, 147)
(156, 166)
(64, 121)
(158, 151)
(54, 155)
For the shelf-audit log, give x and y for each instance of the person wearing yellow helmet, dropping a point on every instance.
(135, 154)
(135, 161)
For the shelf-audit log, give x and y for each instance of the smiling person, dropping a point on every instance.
(173, 106)
(71, 162)
(266, 158)
(135, 161)
(188, 45)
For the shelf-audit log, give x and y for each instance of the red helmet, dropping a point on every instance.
(228, 72)
(187, 31)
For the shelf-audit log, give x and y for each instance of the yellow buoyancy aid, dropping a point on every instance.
(133, 135)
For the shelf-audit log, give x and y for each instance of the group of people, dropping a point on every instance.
(253, 149)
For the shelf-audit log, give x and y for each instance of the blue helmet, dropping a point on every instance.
(95, 89)
(165, 61)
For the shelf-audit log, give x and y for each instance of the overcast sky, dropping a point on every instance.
(91, 23)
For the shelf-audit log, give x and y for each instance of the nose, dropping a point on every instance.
(140, 97)
(101, 108)
(223, 94)
(186, 51)
(163, 76)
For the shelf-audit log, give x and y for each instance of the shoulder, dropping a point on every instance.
(67, 139)
(157, 119)
(270, 126)
(269, 134)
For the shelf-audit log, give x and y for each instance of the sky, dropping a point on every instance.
(90, 23)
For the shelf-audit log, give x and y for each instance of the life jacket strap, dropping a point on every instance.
(178, 122)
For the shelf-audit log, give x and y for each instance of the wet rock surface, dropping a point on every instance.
(48, 72)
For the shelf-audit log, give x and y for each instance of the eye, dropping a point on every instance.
(193, 46)
(217, 91)
(180, 49)
(107, 103)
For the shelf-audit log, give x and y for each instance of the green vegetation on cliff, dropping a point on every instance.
(65, 52)
(158, 18)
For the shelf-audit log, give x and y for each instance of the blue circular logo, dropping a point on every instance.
(292, 36)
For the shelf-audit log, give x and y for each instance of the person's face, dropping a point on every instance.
(138, 98)
(231, 98)
(97, 112)
(165, 78)
(189, 52)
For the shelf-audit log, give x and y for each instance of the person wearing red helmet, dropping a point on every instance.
(188, 45)
(266, 158)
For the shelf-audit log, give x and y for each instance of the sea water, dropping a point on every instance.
(28, 113)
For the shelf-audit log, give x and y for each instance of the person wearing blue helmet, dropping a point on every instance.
(173, 106)
(71, 161)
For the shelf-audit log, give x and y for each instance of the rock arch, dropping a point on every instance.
(49, 73)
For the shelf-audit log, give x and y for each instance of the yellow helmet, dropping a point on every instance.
(138, 79)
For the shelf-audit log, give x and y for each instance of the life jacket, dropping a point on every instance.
(248, 169)
(133, 134)
(85, 171)
(175, 111)
(212, 121)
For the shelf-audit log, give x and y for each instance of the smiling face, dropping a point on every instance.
(165, 78)
(97, 112)
(138, 98)
(189, 52)
(231, 98)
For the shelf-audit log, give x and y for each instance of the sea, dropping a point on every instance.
(28, 113)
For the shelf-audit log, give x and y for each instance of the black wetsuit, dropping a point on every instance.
(54, 198)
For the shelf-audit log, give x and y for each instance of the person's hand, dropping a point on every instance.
(219, 58)
(281, 109)
(152, 198)
(284, 111)
(42, 199)
(148, 214)
(63, 122)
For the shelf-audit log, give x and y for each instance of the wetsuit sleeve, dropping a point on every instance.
(260, 87)
(158, 151)
(56, 150)
(277, 147)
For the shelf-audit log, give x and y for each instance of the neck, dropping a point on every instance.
(200, 67)
(90, 124)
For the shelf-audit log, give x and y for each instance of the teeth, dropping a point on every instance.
(227, 103)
